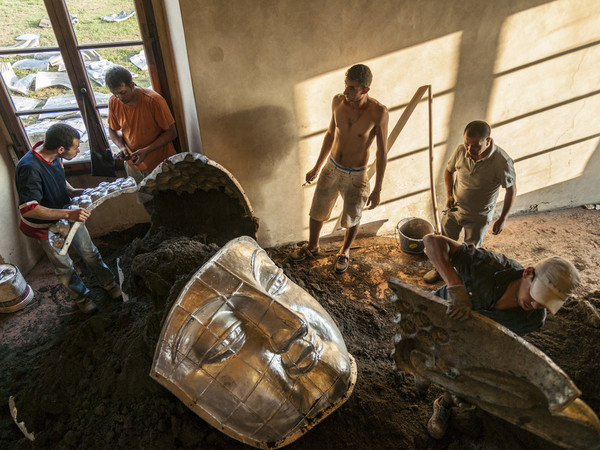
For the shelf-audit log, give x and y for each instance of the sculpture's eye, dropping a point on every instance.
(210, 334)
(228, 344)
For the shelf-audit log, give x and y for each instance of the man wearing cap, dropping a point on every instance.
(497, 287)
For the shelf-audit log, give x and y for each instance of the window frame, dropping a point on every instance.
(82, 90)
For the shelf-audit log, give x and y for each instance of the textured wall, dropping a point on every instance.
(15, 247)
(264, 73)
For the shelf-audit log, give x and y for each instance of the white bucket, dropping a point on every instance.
(15, 293)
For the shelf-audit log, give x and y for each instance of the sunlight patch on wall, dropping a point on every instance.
(546, 89)
(546, 30)
(396, 77)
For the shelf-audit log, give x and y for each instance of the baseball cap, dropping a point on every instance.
(555, 279)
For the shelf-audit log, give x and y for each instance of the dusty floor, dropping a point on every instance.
(82, 382)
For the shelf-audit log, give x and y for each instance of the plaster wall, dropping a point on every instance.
(264, 73)
(15, 247)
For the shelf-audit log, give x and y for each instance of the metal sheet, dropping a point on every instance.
(489, 366)
(251, 352)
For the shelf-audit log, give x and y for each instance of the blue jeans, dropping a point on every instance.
(66, 273)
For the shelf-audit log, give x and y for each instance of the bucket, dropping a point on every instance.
(411, 232)
(15, 293)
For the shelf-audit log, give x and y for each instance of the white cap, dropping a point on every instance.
(555, 279)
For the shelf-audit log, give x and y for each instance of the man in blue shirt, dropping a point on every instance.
(498, 287)
(44, 195)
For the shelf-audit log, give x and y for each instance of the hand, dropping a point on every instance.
(459, 307)
(78, 215)
(125, 154)
(498, 226)
(311, 175)
(374, 198)
(138, 156)
(449, 202)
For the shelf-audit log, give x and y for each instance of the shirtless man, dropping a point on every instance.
(356, 120)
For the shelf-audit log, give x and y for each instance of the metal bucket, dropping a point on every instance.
(411, 232)
(15, 293)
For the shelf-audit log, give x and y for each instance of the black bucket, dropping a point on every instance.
(411, 232)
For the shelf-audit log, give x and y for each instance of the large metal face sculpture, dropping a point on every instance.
(489, 366)
(252, 353)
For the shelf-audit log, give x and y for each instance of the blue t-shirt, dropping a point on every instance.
(486, 276)
(39, 183)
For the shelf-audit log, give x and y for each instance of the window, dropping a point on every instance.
(55, 70)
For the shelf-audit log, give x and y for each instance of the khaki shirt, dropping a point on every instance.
(476, 184)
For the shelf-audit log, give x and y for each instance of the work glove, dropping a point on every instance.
(459, 307)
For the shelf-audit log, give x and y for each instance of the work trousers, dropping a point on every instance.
(66, 273)
(452, 224)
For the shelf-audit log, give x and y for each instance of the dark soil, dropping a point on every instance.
(83, 382)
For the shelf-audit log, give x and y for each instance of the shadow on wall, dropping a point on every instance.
(257, 144)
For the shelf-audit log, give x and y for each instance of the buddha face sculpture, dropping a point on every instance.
(251, 352)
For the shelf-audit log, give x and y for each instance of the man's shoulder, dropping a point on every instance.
(27, 161)
(338, 99)
(500, 154)
(459, 154)
(150, 94)
(461, 150)
(377, 105)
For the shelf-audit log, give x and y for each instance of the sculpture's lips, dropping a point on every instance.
(303, 354)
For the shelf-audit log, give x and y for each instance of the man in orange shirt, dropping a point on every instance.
(140, 123)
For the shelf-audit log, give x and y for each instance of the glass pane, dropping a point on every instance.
(20, 19)
(104, 21)
(38, 81)
(36, 131)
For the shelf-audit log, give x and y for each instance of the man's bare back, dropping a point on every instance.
(355, 128)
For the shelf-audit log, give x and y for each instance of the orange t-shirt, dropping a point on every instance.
(141, 124)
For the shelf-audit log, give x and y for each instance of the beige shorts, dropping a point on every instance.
(352, 185)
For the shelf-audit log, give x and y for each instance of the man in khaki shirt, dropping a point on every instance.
(473, 177)
(356, 121)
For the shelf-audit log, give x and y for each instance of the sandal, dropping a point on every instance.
(303, 252)
(341, 263)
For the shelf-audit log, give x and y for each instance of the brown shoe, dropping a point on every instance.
(438, 423)
(432, 277)
(303, 252)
